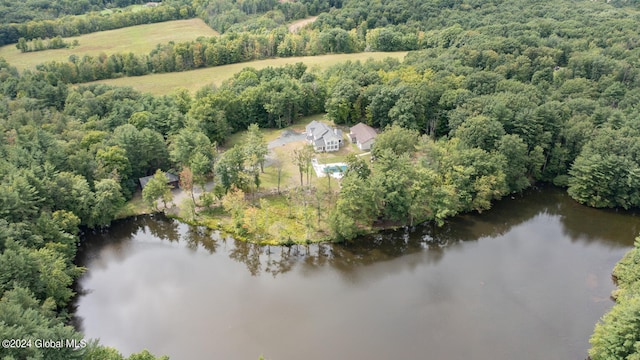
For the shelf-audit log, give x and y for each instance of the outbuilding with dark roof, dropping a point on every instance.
(172, 180)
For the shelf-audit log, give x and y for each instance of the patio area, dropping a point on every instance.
(335, 170)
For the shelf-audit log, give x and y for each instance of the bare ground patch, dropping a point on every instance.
(299, 24)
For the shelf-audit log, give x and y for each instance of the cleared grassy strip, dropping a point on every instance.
(139, 39)
(299, 24)
(162, 84)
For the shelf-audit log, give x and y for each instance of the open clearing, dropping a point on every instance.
(285, 212)
(298, 24)
(162, 84)
(284, 152)
(140, 39)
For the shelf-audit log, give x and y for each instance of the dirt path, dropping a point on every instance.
(298, 24)
(286, 136)
(179, 195)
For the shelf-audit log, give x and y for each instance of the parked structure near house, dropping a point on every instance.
(323, 137)
(363, 135)
(172, 180)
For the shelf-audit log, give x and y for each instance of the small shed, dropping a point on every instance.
(172, 180)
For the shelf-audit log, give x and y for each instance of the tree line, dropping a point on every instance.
(92, 22)
(20, 11)
(42, 44)
(229, 48)
(222, 15)
(617, 334)
(54, 181)
(231, 16)
(485, 48)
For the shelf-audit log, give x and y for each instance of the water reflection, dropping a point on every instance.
(526, 280)
(613, 227)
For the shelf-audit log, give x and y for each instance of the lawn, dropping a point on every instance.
(238, 138)
(162, 84)
(139, 39)
(301, 124)
(272, 134)
(135, 206)
(342, 154)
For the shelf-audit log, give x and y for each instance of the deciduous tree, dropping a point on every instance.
(107, 203)
(157, 187)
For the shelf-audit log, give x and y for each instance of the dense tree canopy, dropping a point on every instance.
(499, 95)
(21, 21)
(617, 335)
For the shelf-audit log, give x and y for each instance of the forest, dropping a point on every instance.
(12, 11)
(494, 97)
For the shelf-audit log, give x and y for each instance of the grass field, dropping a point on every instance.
(139, 39)
(162, 84)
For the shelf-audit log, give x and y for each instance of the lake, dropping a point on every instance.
(526, 280)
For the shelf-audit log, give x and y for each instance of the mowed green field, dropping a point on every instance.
(162, 84)
(139, 39)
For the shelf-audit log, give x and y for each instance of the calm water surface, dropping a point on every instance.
(526, 280)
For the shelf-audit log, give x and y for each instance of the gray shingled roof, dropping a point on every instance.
(363, 133)
(321, 133)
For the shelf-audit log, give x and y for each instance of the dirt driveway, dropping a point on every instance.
(286, 137)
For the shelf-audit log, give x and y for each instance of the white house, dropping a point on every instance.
(363, 135)
(323, 137)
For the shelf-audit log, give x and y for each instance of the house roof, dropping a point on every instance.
(310, 128)
(170, 178)
(312, 124)
(317, 131)
(330, 136)
(363, 133)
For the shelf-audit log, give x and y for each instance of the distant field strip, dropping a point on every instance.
(298, 24)
(162, 84)
(140, 39)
